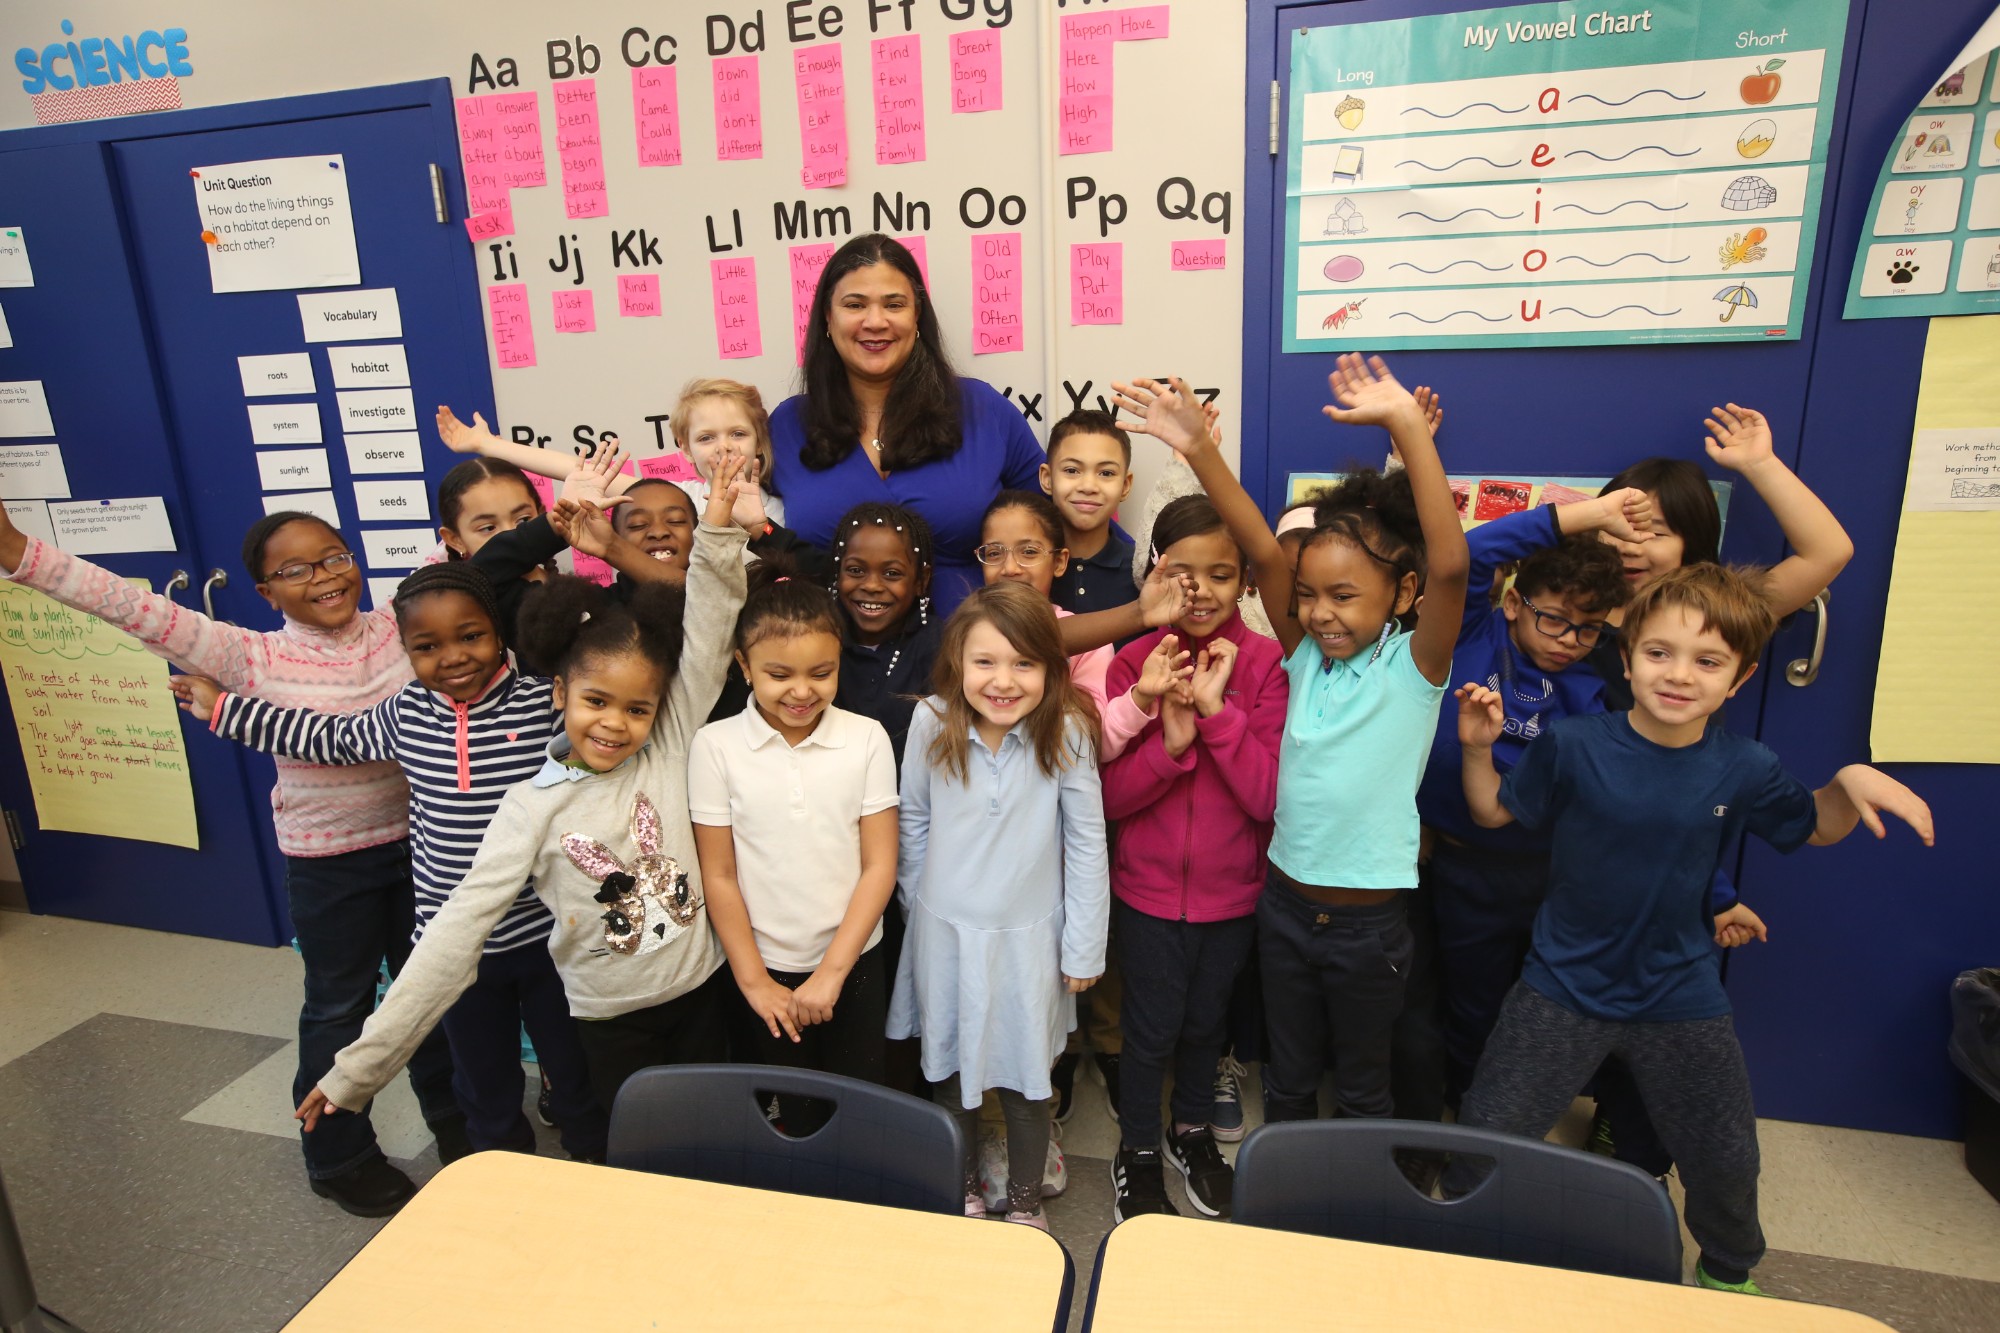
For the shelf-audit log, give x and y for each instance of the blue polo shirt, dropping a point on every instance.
(1100, 583)
(1625, 933)
(1356, 733)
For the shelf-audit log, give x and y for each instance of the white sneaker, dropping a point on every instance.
(1055, 1175)
(1037, 1220)
(993, 1170)
(974, 1205)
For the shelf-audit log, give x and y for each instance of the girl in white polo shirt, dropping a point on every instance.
(794, 808)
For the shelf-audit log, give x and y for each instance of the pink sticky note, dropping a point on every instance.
(1097, 283)
(638, 294)
(1192, 256)
(821, 85)
(486, 226)
(733, 283)
(975, 71)
(898, 69)
(674, 466)
(656, 115)
(807, 261)
(513, 331)
(1141, 24)
(1083, 103)
(590, 567)
(479, 151)
(580, 149)
(996, 292)
(739, 111)
(519, 116)
(919, 252)
(576, 310)
(545, 490)
(1098, 27)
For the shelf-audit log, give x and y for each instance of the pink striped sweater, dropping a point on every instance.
(318, 811)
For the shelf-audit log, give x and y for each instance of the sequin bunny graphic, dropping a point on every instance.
(648, 904)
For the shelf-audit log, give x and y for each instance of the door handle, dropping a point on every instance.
(219, 578)
(1803, 671)
(178, 583)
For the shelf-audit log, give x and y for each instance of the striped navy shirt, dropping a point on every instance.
(460, 760)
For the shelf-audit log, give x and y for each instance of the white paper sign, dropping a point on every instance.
(317, 503)
(284, 423)
(24, 409)
(1955, 470)
(391, 451)
(280, 223)
(112, 527)
(383, 367)
(32, 517)
(397, 548)
(6, 334)
(286, 372)
(293, 469)
(391, 501)
(377, 409)
(382, 592)
(341, 317)
(33, 472)
(14, 268)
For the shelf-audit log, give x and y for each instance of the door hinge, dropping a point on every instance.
(1274, 117)
(437, 194)
(14, 830)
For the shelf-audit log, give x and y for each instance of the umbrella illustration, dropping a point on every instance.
(1732, 297)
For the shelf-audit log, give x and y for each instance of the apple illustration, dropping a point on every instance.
(1761, 87)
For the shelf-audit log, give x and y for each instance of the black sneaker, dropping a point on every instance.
(1063, 1079)
(452, 1140)
(373, 1189)
(542, 1111)
(1209, 1178)
(1140, 1185)
(1107, 1074)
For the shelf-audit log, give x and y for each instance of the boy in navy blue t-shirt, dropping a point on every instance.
(1639, 806)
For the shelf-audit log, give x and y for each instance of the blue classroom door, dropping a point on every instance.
(80, 330)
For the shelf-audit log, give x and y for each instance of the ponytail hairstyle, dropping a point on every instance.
(1062, 730)
(1376, 514)
(1685, 500)
(1187, 516)
(260, 534)
(462, 478)
(463, 577)
(782, 605)
(1040, 506)
(567, 623)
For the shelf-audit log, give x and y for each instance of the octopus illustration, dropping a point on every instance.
(1743, 247)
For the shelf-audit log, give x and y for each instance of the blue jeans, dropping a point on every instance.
(350, 912)
(514, 989)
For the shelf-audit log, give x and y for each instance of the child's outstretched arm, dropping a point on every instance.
(715, 590)
(1859, 794)
(1739, 438)
(478, 438)
(1481, 715)
(1161, 601)
(368, 736)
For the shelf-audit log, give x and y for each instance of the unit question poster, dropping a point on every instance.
(1558, 175)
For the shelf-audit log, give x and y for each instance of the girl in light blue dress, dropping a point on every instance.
(1003, 874)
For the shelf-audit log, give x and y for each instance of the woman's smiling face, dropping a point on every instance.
(872, 320)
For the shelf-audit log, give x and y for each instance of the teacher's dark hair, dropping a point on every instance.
(920, 422)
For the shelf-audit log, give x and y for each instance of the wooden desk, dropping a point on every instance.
(501, 1241)
(1165, 1273)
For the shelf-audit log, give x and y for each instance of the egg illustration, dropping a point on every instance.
(1344, 268)
(1757, 137)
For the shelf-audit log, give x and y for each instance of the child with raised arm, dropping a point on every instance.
(1639, 806)
(1333, 943)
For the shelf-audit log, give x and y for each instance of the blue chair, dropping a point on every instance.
(1537, 1204)
(707, 1122)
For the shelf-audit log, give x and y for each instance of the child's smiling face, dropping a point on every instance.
(1345, 596)
(879, 581)
(1526, 616)
(1002, 683)
(1088, 477)
(320, 599)
(793, 678)
(1682, 671)
(659, 519)
(1017, 530)
(718, 428)
(1212, 568)
(452, 643)
(485, 511)
(609, 706)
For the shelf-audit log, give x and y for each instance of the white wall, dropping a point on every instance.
(1179, 109)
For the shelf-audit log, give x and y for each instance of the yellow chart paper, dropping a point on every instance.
(1934, 697)
(98, 729)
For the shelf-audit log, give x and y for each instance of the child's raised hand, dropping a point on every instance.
(1738, 437)
(584, 526)
(315, 1107)
(461, 438)
(771, 1001)
(1163, 597)
(1168, 412)
(1212, 414)
(725, 489)
(1177, 730)
(813, 1001)
(1626, 514)
(1739, 925)
(1431, 403)
(1078, 985)
(1874, 793)
(748, 511)
(197, 695)
(1211, 676)
(1481, 716)
(590, 480)
(1164, 668)
(1366, 394)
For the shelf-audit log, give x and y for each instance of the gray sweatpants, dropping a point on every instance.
(1693, 1081)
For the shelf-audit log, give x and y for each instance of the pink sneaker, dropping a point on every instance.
(1035, 1219)
(975, 1206)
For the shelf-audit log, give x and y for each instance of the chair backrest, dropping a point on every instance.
(707, 1122)
(1537, 1203)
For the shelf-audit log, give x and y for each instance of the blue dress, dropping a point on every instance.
(999, 453)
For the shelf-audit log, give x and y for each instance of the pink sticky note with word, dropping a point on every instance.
(821, 84)
(975, 71)
(580, 148)
(479, 151)
(519, 116)
(739, 109)
(1083, 101)
(513, 331)
(733, 284)
(576, 310)
(897, 64)
(486, 226)
(1097, 283)
(656, 114)
(1140, 24)
(545, 490)
(996, 292)
(638, 294)
(590, 567)
(807, 261)
(674, 466)
(1193, 256)
(919, 252)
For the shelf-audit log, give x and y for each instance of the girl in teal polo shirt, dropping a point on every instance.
(1367, 669)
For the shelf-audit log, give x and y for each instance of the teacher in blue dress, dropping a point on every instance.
(883, 417)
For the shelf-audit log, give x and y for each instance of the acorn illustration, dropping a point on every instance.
(1348, 113)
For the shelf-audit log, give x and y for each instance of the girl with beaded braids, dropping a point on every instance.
(464, 731)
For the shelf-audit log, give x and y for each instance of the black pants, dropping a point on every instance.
(514, 989)
(1485, 904)
(852, 1044)
(1333, 982)
(1416, 1069)
(686, 1030)
(1177, 976)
